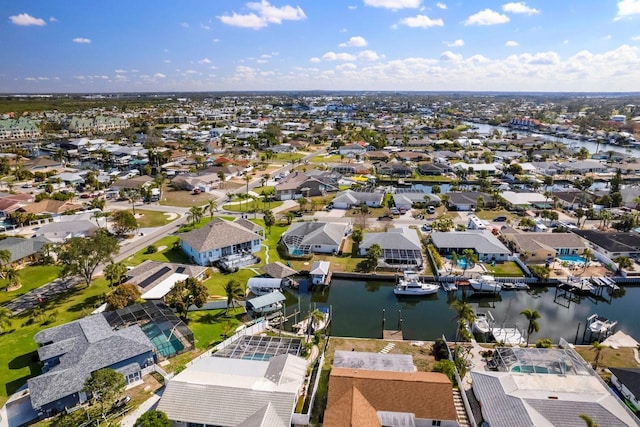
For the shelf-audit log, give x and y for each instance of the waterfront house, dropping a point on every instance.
(524, 200)
(69, 353)
(352, 150)
(221, 241)
(304, 238)
(319, 272)
(349, 199)
(612, 244)
(60, 231)
(155, 279)
(482, 242)
(543, 247)
(394, 169)
(433, 169)
(406, 199)
(582, 167)
(627, 382)
(220, 391)
(401, 247)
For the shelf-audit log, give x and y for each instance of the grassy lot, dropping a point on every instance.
(609, 358)
(148, 219)
(32, 277)
(251, 206)
(208, 326)
(505, 269)
(489, 214)
(333, 158)
(166, 253)
(182, 198)
(288, 157)
(19, 364)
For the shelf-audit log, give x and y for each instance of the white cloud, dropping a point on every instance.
(262, 61)
(635, 38)
(191, 72)
(565, 42)
(456, 43)
(81, 40)
(120, 71)
(332, 56)
(30, 79)
(159, 76)
(205, 27)
(216, 40)
(352, 7)
(450, 56)
(607, 37)
(79, 77)
(265, 56)
(346, 67)
(265, 14)
(519, 7)
(356, 41)
(369, 55)
(167, 61)
(43, 78)
(25, 20)
(394, 4)
(441, 6)
(52, 19)
(422, 21)
(315, 60)
(627, 8)
(487, 17)
(511, 43)
(204, 61)
(184, 25)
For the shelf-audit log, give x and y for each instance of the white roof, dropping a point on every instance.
(163, 288)
(523, 198)
(264, 282)
(320, 268)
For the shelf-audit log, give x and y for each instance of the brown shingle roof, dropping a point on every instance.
(50, 206)
(426, 394)
(218, 233)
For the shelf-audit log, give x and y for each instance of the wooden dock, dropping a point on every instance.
(388, 334)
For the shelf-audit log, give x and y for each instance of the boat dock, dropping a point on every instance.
(388, 334)
(510, 336)
(575, 287)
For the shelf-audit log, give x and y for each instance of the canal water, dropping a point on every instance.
(357, 310)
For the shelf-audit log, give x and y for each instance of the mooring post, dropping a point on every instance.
(575, 341)
(383, 320)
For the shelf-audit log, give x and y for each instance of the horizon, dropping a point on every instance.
(305, 46)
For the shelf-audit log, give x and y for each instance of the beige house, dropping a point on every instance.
(542, 247)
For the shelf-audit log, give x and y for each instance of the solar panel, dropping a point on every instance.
(154, 277)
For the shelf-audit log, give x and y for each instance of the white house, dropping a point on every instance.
(319, 272)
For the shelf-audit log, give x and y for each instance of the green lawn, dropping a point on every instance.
(251, 206)
(288, 157)
(150, 219)
(489, 214)
(166, 253)
(333, 158)
(20, 362)
(208, 326)
(505, 269)
(32, 277)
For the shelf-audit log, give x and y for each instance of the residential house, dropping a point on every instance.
(219, 391)
(482, 242)
(221, 241)
(394, 169)
(155, 279)
(572, 200)
(132, 183)
(524, 200)
(69, 353)
(515, 396)
(42, 164)
(612, 244)
(361, 168)
(489, 168)
(360, 396)
(627, 382)
(51, 207)
(304, 238)
(352, 150)
(319, 272)
(349, 198)
(543, 247)
(377, 156)
(203, 182)
(582, 167)
(23, 251)
(401, 247)
(407, 199)
(433, 169)
(60, 231)
(298, 184)
(465, 201)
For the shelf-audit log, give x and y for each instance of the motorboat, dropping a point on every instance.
(518, 286)
(482, 323)
(485, 284)
(410, 284)
(600, 325)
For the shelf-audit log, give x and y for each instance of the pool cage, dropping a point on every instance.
(249, 347)
(539, 361)
(168, 333)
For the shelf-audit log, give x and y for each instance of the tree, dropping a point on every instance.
(442, 223)
(5, 319)
(587, 419)
(123, 222)
(373, 254)
(123, 295)
(13, 278)
(212, 207)
(527, 223)
(186, 293)
(114, 272)
(470, 257)
(133, 196)
(303, 203)
(623, 262)
(465, 316)
(233, 290)
(532, 317)
(153, 418)
(80, 256)
(195, 214)
(289, 217)
(104, 386)
(597, 347)
(5, 257)
(356, 237)
(269, 220)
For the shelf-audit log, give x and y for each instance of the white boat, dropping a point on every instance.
(486, 284)
(268, 308)
(600, 325)
(482, 324)
(303, 326)
(518, 286)
(411, 284)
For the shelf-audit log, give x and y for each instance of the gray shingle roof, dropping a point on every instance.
(218, 233)
(278, 270)
(480, 240)
(395, 238)
(316, 233)
(84, 346)
(357, 197)
(22, 248)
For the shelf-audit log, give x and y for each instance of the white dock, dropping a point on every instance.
(510, 336)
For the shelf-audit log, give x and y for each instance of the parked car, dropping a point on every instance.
(385, 217)
(395, 211)
(426, 227)
(298, 214)
(431, 210)
(500, 218)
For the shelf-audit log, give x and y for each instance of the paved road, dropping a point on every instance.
(41, 294)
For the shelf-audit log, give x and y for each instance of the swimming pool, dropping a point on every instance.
(530, 369)
(572, 259)
(164, 346)
(461, 262)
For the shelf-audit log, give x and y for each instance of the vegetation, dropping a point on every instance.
(153, 418)
(233, 290)
(5, 320)
(123, 222)
(122, 296)
(114, 273)
(465, 317)
(532, 316)
(104, 386)
(80, 256)
(542, 272)
(186, 293)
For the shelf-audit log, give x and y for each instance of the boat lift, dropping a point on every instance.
(598, 326)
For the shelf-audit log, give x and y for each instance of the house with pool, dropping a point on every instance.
(482, 242)
(544, 247)
(303, 238)
(230, 244)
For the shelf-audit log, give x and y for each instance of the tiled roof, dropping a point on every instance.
(316, 233)
(218, 233)
(354, 395)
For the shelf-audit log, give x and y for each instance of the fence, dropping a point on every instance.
(463, 394)
(305, 418)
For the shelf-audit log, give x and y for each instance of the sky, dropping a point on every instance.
(387, 45)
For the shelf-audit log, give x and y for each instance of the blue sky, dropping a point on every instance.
(216, 45)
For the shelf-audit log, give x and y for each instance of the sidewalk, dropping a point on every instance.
(149, 404)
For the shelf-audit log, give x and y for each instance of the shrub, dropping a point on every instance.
(543, 343)
(440, 350)
(540, 271)
(446, 367)
(151, 249)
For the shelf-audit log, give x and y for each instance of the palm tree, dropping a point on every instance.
(5, 257)
(532, 316)
(234, 291)
(454, 260)
(5, 319)
(114, 272)
(470, 257)
(212, 207)
(587, 419)
(597, 347)
(13, 278)
(464, 315)
(195, 214)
